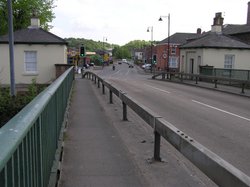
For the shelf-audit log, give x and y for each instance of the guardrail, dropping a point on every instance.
(28, 142)
(217, 169)
(199, 78)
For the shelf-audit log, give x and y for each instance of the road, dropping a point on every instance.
(219, 121)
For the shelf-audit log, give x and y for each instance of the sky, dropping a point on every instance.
(121, 21)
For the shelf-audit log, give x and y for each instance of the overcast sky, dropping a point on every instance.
(121, 21)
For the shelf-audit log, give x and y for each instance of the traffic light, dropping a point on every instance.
(82, 51)
(154, 59)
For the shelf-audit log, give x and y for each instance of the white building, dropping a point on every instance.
(36, 52)
(214, 49)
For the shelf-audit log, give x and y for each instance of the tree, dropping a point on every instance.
(137, 44)
(121, 52)
(23, 10)
(96, 59)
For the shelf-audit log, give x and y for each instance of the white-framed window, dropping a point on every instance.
(173, 62)
(173, 50)
(229, 61)
(30, 61)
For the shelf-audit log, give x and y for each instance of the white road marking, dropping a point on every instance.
(157, 88)
(247, 119)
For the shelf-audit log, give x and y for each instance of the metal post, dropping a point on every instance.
(98, 83)
(157, 146)
(181, 77)
(110, 97)
(11, 49)
(215, 83)
(103, 89)
(243, 87)
(124, 106)
(196, 80)
(163, 76)
(95, 79)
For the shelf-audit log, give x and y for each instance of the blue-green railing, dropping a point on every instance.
(28, 142)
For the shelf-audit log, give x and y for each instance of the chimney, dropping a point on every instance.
(198, 31)
(34, 23)
(218, 23)
(248, 14)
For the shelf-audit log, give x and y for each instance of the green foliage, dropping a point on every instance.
(23, 11)
(90, 45)
(121, 52)
(10, 106)
(137, 44)
(126, 50)
(96, 59)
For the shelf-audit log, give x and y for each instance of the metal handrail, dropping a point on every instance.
(217, 169)
(197, 78)
(28, 142)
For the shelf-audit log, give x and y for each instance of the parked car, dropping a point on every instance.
(146, 66)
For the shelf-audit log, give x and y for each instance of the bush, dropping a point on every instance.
(10, 106)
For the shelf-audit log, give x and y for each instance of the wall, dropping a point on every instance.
(213, 57)
(162, 60)
(47, 57)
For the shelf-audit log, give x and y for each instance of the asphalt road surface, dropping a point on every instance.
(219, 121)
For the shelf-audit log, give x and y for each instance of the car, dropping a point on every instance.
(124, 60)
(130, 65)
(119, 62)
(146, 66)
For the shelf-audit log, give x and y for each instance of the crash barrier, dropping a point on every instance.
(242, 84)
(29, 141)
(217, 169)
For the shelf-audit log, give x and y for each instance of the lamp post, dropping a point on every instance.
(11, 50)
(150, 29)
(104, 39)
(168, 49)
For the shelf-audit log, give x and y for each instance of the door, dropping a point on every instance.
(191, 66)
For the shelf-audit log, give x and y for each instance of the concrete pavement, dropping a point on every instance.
(102, 150)
(94, 155)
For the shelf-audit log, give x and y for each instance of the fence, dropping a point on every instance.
(226, 73)
(28, 142)
(217, 169)
(205, 78)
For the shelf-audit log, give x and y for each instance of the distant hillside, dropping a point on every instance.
(90, 45)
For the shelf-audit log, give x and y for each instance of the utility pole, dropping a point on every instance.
(11, 50)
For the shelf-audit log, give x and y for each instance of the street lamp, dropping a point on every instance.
(160, 19)
(150, 29)
(104, 39)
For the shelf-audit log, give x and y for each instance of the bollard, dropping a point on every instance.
(95, 79)
(103, 89)
(98, 83)
(215, 83)
(196, 80)
(110, 97)
(157, 146)
(163, 76)
(243, 87)
(124, 107)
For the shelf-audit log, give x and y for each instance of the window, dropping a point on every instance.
(173, 50)
(30, 61)
(229, 61)
(173, 62)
